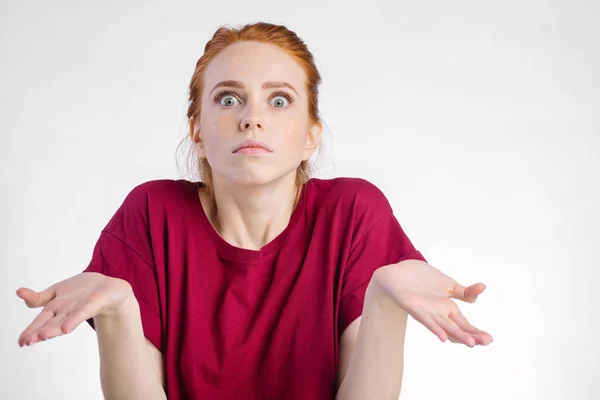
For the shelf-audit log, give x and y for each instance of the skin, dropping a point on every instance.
(254, 194)
(410, 287)
(70, 302)
(130, 366)
(254, 197)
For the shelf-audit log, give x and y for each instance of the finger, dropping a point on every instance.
(462, 322)
(481, 337)
(425, 318)
(84, 311)
(454, 330)
(53, 328)
(466, 294)
(35, 299)
(30, 333)
(75, 319)
(478, 340)
(71, 323)
(51, 323)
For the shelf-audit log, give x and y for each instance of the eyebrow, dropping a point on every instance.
(266, 85)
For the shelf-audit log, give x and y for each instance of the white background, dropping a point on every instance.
(479, 120)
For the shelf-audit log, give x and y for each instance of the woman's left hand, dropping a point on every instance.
(426, 294)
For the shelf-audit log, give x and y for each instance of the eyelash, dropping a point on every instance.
(220, 95)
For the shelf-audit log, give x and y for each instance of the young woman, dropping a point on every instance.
(258, 282)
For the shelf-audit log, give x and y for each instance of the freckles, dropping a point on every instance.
(224, 123)
(211, 124)
(297, 129)
(218, 132)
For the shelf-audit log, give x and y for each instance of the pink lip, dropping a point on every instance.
(250, 146)
(252, 150)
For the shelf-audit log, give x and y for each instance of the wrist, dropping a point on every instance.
(126, 309)
(382, 311)
(377, 295)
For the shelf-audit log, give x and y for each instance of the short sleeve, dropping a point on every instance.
(124, 251)
(383, 243)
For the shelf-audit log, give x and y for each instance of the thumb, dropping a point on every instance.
(466, 294)
(35, 299)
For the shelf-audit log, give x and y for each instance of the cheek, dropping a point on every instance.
(211, 129)
(223, 123)
(297, 138)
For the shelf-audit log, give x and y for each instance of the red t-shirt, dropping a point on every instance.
(234, 323)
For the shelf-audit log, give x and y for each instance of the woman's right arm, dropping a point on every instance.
(130, 366)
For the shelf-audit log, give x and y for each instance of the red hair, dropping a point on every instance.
(261, 32)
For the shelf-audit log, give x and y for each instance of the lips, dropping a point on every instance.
(252, 144)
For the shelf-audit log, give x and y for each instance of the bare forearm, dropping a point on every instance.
(126, 370)
(377, 363)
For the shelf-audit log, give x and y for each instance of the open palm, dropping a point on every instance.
(427, 295)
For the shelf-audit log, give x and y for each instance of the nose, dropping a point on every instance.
(252, 120)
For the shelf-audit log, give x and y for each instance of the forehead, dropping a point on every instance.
(253, 63)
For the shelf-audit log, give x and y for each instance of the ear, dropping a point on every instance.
(312, 140)
(196, 137)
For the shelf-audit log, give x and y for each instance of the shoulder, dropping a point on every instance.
(358, 193)
(158, 190)
(150, 201)
(154, 197)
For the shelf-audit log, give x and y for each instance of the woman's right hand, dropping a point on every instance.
(72, 301)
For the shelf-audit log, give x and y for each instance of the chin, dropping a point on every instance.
(258, 176)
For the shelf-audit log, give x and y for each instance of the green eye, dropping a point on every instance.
(281, 99)
(229, 99)
(226, 99)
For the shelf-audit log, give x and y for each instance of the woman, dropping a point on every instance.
(254, 282)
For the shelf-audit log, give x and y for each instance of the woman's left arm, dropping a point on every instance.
(377, 362)
(415, 288)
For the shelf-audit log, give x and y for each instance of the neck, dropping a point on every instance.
(250, 216)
